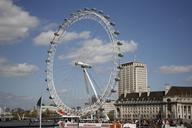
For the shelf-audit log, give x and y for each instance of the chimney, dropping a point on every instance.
(125, 93)
(140, 91)
(148, 91)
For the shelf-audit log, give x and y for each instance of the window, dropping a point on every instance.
(189, 109)
(185, 109)
(178, 109)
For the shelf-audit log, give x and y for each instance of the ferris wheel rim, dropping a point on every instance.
(112, 35)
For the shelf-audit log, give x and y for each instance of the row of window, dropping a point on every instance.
(185, 117)
(184, 109)
(146, 99)
(130, 116)
(142, 111)
(140, 108)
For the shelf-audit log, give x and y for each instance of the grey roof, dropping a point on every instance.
(130, 63)
(158, 95)
(179, 91)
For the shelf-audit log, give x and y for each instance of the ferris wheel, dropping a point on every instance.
(82, 64)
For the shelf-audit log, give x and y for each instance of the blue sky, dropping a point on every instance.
(160, 32)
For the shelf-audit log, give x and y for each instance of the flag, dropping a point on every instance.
(39, 102)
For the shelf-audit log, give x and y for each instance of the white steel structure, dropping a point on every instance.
(133, 78)
(108, 25)
(84, 66)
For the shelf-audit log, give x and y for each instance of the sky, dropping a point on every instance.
(157, 33)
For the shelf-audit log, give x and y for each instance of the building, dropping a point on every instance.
(133, 78)
(1, 111)
(108, 106)
(143, 105)
(179, 103)
(5, 115)
(173, 103)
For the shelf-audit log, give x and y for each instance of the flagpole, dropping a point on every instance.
(39, 109)
(40, 118)
(40, 113)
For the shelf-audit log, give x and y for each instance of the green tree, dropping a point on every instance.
(47, 114)
(111, 115)
(33, 113)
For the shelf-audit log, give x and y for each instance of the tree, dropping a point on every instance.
(47, 113)
(33, 113)
(111, 115)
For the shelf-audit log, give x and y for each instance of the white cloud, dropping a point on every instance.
(50, 26)
(45, 37)
(9, 69)
(129, 46)
(14, 22)
(92, 51)
(173, 69)
(95, 51)
(74, 36)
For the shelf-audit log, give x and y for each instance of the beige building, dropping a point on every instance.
(144, 105)
(173, 103)
(133, 78)
(179, 103)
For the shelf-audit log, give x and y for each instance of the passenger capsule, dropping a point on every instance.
(117, 79)
(119, 43)
(72, 14)
(120, 55)
(113, 90)
(86, 9)
(116, 33)
(56, 34)
(100, 11)
(47, 61)
(49, 51)
(111, 23)
(78, 10)
(107, 16)
(52, 42)
(93, 9)
(50, 97)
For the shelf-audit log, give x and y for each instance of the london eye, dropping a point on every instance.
(83, 63)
